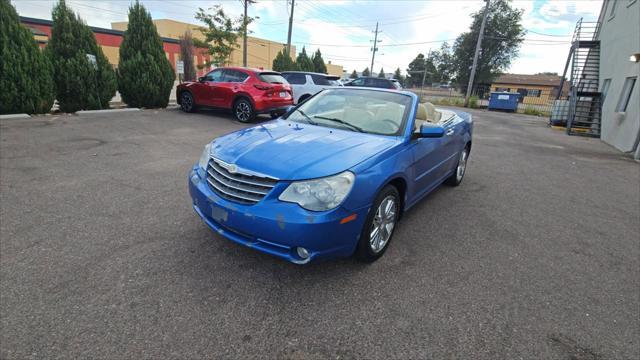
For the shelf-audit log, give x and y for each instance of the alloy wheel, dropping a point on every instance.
(383, 224)
(187, 102)
(462, 165)
(243, 111)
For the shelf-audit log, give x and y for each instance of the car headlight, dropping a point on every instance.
(204, 158)
(319, 194)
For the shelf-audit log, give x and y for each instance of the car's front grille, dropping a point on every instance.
(236, 186)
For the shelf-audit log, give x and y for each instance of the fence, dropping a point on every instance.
(531, 101)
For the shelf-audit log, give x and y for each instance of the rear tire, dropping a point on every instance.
(187, 103)
(461, 167)
(243, 110)
(379, 226)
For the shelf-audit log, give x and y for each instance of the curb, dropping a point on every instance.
(88, 112)
(15, 116)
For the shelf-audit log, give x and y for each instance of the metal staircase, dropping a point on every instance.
(585, 101)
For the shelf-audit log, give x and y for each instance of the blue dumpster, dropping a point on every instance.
(503, 101)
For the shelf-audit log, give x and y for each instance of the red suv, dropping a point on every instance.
(247, 92)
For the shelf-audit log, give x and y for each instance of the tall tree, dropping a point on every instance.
(366, 72)
(186, 54)
(283, 62)
(398, 76)
(303, 61)
(354, 75)
(80, 82)
(220, 34)
(26, 75)
(414, 71)
(503, 36)
(381, 74)
(443, 61)
(145, 76)
(318, 63)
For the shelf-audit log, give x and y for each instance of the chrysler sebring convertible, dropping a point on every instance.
(332, 176)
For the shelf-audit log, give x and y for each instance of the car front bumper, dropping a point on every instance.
(275, 227)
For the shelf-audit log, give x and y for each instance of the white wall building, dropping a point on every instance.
(619, 37)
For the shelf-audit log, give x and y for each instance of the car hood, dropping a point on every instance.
(292, 151)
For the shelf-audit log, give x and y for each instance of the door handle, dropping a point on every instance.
(449, 132)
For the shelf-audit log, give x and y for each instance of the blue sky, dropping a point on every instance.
(343, 29)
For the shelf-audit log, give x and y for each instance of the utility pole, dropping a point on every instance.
(375, 47)
(477, 53)
(424, 75)
(290, 28)
(244, 35)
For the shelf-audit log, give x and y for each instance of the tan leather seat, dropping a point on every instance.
(421, 117)
(433, 115)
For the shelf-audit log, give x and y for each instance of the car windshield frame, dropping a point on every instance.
(300, 109)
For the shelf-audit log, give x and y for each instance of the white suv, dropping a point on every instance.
(306, 84)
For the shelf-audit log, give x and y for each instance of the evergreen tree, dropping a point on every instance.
(186, 54)
(354, 75)
(303, 61)
(26, 75)
(415, 71)
(318, 63)
(283, 62)
(79, 82)
(381, 73)
(145, 76)
(366, 72)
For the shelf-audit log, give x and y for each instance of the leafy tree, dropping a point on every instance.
(318, 62)
(503, 35)
(443, 61)
(186, 54)
(145, 75)
(26, 75)
(283, 62)
(303, 61)
(79, 83)
(381, 74)
(221, 33)
(366, 72)
(398, 76)
(354, 75)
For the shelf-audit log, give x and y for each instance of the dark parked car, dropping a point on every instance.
(375, 82)
(246, 92)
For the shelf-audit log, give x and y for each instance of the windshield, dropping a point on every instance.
(272, 78)
(359, 110)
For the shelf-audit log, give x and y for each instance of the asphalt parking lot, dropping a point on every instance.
(535, 255)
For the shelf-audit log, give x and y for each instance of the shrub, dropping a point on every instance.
(473, 102)
(26, 79)
(79, 84)
(145, 76)
(529, 110)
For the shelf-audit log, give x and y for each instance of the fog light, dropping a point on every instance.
(302, 252)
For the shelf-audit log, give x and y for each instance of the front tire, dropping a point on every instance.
(461, 167)
(243, 110)
(187, 104)
(379, 226)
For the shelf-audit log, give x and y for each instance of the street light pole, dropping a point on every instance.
(375, 47)
(477, 53)
(424, 75)
(290, 27)
(244, 36)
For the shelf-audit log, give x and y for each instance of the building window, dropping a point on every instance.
(612, 12)
(605, 88)
(625, 96)
(534, 93)
(499, 89)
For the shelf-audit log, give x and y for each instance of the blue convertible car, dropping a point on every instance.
(332, 176)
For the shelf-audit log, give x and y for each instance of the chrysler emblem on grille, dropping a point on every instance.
(232, 168)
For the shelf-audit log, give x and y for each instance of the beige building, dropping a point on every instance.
(260, 52)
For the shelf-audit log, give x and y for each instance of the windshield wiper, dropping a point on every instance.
(307, 117)
(340, 121)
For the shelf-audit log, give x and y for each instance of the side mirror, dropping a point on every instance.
(201, 79)
(431, 131)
